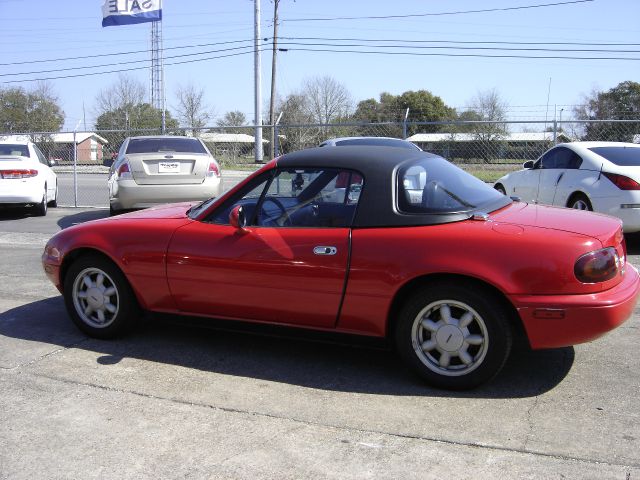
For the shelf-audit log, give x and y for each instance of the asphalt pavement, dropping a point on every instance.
(90, 189)
(183, 401)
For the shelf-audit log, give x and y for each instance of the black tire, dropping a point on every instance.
(579, 201)
(113, 211)
(99, 298)
(40, 209)
(54, 203)
(500, 188)
(446, 353)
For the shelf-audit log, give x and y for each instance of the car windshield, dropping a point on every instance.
(622, 156)
(434, 185)
(14, 149)
(155, 145)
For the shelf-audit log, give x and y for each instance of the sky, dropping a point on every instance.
(208, 43)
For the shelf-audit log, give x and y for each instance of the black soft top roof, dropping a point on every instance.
(377, 164)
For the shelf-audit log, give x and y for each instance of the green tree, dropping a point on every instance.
(26, 111)
(138, 119)
(423, 107)
(621, 102)
(232, 119)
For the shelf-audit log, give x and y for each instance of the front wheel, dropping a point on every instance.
(99, 298)
(500, 188)
(455, 336)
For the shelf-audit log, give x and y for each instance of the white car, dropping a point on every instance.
(153, 170)
(26, 178)
(599, 176)
(381, 141)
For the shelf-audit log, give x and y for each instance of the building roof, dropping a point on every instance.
(470, 137)
(228, 138)
(67, 137)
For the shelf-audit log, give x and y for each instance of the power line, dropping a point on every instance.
(438, 47)
(131, 52)
(483, 42)
(127, 69)
(438, 14)
(422, 54)
(120, 63)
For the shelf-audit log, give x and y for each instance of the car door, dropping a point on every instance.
(49, 174)
(557, 165)
(571, 179)
(288, 265)
(525, 183)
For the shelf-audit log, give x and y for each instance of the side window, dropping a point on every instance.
(549, 159)
(310, 197)
(575, 161)
(41, 158)
(566, 158)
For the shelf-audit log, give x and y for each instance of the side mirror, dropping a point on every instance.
(528, 165)
(237, 218)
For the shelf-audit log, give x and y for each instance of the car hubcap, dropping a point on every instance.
(450, 338)
(580, 205)
(95, 298)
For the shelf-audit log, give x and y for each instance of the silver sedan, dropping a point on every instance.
(152, 170)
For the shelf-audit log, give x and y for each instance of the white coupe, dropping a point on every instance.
(599, 176)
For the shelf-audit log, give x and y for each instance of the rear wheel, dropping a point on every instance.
(54, 203)
(455, 336)
(99, 298)
(40, 209)
(579, 201)
(501, 189)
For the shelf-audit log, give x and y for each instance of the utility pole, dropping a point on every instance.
(273, 79)
(257, 82)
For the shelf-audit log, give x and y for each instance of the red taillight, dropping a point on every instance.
(18, 173)
(598, 266)
(213, 170)
(622, 182)
(122, 169)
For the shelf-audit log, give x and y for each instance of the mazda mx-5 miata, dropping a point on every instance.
(376, 241)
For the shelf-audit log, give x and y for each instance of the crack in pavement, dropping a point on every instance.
(444, 441)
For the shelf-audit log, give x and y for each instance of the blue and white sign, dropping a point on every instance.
(127, 12)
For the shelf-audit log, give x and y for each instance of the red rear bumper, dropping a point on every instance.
(585, 317)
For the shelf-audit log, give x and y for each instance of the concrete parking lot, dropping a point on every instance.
(176, 401)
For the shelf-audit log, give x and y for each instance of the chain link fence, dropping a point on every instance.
(82, 159)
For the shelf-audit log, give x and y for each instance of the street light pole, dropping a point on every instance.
(257, 82)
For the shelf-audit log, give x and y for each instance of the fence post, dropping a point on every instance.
(276, 138)
(404, 124)
(75, 172)
(555, 131)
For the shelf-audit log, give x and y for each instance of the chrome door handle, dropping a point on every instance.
(324, 250)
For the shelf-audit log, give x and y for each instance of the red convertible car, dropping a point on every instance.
(377, 241)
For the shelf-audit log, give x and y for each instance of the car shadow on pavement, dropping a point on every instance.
(274, 355)
(81, 217)
(15, 213)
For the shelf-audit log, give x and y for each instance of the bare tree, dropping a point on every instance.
(192, 110)
(326, 99)
(123, 94)
(488, 106)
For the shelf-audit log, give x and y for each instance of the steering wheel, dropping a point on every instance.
(283, 219)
